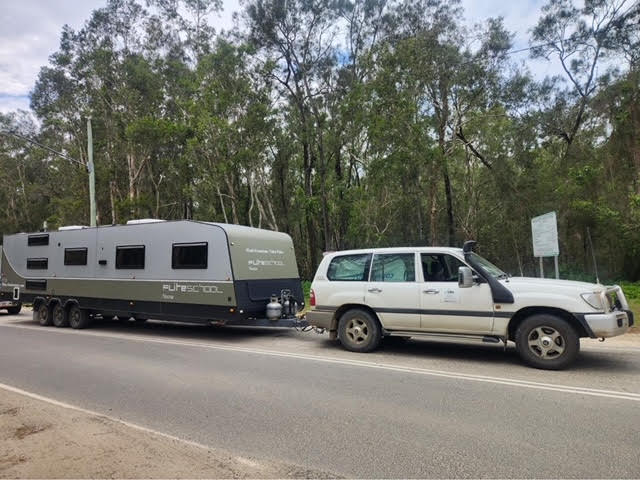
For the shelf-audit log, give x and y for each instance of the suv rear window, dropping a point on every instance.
(350, 268)
(394, 267)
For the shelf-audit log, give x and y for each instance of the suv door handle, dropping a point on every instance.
(431, 291)
(374, 290)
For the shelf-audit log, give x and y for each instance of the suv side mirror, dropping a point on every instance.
(465, 277)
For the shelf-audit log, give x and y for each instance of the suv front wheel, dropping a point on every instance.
(359, 331)
(548, 342)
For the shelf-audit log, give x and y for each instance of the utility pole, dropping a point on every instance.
(92, 175)
(88, 166)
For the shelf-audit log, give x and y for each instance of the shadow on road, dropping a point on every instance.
(476, 356)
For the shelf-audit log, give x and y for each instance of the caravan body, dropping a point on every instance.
(179, 270)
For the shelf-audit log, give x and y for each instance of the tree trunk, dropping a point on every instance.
(112, 201)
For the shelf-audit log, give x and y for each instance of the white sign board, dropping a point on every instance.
(545, 235)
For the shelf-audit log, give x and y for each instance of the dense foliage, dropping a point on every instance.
(346, 123)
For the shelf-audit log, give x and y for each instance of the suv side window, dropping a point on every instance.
(394, 267)
(350, 268)
(439, 267)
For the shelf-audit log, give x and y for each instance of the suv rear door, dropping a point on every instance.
(445, 306)
(393, 292)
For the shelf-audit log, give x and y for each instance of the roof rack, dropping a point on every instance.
(144, 220)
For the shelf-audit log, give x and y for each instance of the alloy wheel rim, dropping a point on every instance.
(357, 330)
(546, 342)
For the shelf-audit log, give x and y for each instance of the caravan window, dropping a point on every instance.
(37, 240)
(189, 255)
(37, 263)
(130, 257)
(75, 256)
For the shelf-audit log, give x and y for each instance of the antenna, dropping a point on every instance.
(593, 254)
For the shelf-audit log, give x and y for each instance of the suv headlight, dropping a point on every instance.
(593, 299)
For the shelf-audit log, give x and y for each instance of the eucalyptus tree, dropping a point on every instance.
(297, 37)
(584, 40)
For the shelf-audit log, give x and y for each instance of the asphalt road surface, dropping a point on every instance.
(423, 409)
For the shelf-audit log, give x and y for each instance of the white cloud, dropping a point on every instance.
(10, 103)
(31, 33)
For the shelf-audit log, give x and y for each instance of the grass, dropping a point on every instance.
(635, 308)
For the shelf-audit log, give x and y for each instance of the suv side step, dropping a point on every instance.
(445, 336)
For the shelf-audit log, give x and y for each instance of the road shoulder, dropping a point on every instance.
(43, 440)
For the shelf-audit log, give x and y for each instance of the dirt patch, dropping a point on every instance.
(40, 440)
(26, 430)
(7, 461)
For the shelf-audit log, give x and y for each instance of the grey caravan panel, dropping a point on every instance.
(17, 251)
(158, 239)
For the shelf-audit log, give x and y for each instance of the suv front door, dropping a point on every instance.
(393, 292)
(445, 307)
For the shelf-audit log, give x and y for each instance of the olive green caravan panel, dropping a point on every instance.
(168, 291)
(258, 254)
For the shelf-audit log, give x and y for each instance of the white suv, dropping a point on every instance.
(361, 296)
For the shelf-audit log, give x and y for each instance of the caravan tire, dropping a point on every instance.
(59, 316)
(42, 314)
(78, 317)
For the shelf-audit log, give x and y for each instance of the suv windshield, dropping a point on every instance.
(488, 266)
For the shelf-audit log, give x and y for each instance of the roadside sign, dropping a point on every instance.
(545, 235)
(544, 230)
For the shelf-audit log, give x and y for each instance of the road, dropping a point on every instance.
(424, 409)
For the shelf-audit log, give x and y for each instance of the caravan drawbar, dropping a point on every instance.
(188, 271)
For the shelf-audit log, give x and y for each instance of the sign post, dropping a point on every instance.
(544, 230)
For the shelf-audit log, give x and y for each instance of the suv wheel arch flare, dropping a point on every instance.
(526, 312)
(350, 306)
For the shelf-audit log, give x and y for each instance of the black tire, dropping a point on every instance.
(547, 342)
(359, 331)
(42, 314)
(14, 310)
(78, 317)
(59, 316)
(140, 320)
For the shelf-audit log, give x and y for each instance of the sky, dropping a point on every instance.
(30, 33)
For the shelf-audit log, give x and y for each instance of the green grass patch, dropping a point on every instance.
(306, 289)
(631, 290)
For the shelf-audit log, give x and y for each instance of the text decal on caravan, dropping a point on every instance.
(254, 264)
(172, 288)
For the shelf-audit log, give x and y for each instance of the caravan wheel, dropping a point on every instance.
(78, 318)
(59, 316)
(42, 314)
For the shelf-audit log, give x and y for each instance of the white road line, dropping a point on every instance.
(635, 397)
(141, 428)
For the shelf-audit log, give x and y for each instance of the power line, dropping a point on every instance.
(34, 142)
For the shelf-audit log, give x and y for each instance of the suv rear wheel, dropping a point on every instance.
(359, 331)
(547, 342)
